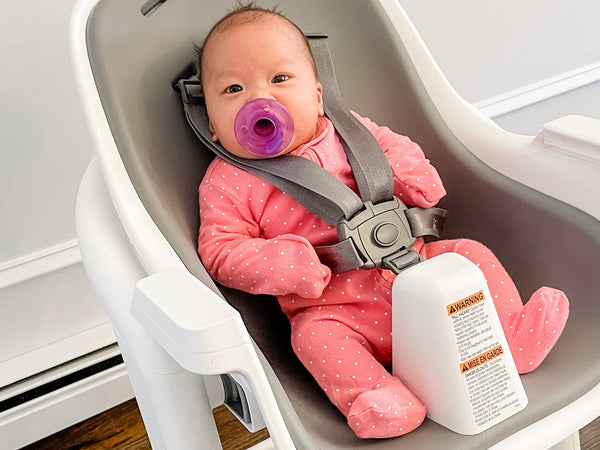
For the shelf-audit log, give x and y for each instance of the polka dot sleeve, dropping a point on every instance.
(236, 255)
(416, 181)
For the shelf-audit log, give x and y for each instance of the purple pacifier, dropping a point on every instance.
(264, 127)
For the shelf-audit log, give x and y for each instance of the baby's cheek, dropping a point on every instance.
(231, 144)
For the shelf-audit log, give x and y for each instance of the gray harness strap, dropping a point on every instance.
(370, 166)
(377, 230)
(374, 178)
(324, 195)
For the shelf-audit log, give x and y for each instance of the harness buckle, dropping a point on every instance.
(403, 259)
(381, 234)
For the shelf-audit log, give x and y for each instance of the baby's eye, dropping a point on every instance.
(280, 78)
(234, 88)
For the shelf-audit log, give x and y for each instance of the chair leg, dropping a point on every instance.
(160, 397)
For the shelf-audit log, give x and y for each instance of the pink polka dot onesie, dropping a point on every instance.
(255, 238)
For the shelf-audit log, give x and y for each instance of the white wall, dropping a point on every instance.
(46, 302)
(522, 62)
(44, 140)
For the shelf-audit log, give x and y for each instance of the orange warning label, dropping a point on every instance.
(465, 303)
(481, 359)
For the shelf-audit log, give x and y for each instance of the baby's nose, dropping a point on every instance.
(261, 91)
(263, 94)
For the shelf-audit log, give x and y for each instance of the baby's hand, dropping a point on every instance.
(284, 265)
(294, 268)
(313, 280)
(416, 182)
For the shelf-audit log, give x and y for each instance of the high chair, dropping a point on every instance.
(189, 344)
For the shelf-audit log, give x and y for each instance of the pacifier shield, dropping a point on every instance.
(264, 127)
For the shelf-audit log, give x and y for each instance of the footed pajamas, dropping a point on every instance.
(255, 238)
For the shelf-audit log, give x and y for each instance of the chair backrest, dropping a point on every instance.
(135, 60)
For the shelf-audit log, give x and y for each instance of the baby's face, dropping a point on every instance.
(260, 59)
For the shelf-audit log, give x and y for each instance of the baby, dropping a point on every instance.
(255, 238)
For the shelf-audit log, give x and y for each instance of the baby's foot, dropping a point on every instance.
(535, 329)
(388, 410)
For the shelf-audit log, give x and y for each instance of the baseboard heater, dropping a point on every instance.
(59, 383)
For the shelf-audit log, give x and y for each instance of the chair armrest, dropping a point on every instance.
(577, 136)
(205, 335)
(193, 324)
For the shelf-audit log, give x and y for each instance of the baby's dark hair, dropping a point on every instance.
(247, 12)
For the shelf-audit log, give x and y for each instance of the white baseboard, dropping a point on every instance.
(540, 91)
(39, 263)
(55, 353)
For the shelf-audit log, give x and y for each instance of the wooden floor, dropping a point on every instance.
(590, 436)
(122, 428)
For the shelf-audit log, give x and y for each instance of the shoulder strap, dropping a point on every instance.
(369, 164)
(312, 186)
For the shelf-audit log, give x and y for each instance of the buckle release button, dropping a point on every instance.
(386, 234)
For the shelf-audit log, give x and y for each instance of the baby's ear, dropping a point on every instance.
(320, 99)
(213, 133)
